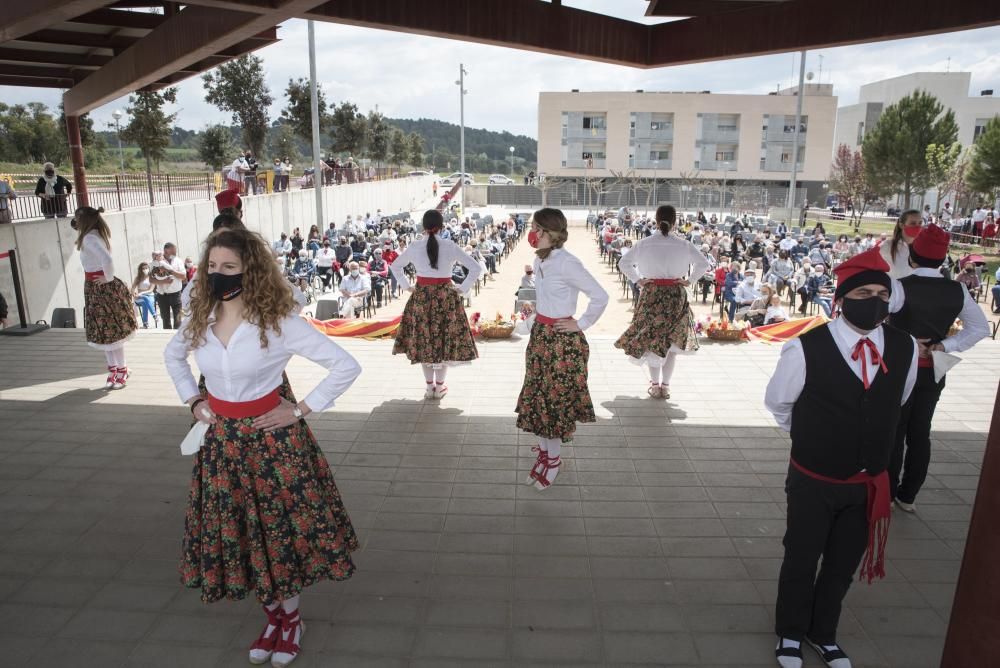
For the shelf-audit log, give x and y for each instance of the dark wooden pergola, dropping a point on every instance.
(100, 50)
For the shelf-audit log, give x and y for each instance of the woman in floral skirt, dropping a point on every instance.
(434, 331)
(264, 514)
(663, 324)
(108, 315)
(555, 395)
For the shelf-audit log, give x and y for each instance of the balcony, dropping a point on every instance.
(661, 165)
(646, 133)
(597, 163)
(717, 136)
(586, 133)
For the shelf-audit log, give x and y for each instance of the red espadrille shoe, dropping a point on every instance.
(538, 466)
(121, 376)
(292, 630)
(548, 474)
(440, 390)
(264, 646)
(110, 382)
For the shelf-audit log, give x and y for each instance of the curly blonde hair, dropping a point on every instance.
(553, 221)
(267, 296)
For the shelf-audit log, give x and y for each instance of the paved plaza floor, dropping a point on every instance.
(659, 544)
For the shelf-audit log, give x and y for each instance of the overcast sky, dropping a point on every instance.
(411, 76)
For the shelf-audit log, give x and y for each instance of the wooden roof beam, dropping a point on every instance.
(781, 27)
(529, 25)
(119, 18)
(189, 36)
(22, 18)
(82, 39)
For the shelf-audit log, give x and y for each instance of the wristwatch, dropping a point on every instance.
(297, 412)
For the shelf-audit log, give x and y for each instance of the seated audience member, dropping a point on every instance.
(775, 311)
(354, 287)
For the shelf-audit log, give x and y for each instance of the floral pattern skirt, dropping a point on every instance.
(263, 515)
(555, 395)
(434, 328)
(108, 314)
(662, 321)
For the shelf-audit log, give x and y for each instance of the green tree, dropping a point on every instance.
(895, 150)
(284, 143)
(29, 133)
(347, 129)
(150, 128)
(215, 147)
(399, 147)
(298, 112)
(984, 171)
(239, 87)
(415, 150)
(443, 158)
(95, 149)
(377, 137)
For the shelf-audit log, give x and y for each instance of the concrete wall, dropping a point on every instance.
(49, 264)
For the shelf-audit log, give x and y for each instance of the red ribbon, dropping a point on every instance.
(859, 352)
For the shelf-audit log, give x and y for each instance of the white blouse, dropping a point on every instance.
(244, 371)
(660, 256)
(95, 256)
(559, 280)
(900, 267)
(448, 254)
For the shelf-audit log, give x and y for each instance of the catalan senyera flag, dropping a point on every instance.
(365, 329)
(780, 332)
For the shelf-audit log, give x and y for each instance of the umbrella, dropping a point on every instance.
(974, 259)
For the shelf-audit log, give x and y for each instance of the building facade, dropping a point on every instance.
(950, 88)
(682, 136)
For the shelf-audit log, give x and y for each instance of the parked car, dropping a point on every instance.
(500, 180)
(452, 179)
(419, 172)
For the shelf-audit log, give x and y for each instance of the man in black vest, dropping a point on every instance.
(838, 389)
(925, 305)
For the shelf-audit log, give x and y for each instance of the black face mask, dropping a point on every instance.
(225, 287)
(865, 314)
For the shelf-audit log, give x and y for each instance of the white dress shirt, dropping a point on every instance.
(448, 254)
(899, 267)
(787, 244)
(176, 285)
(974, 324)
(325, 257)
(660, 256)
(282, 247)
(789, 377)
(559, 280)
(359, 283)
(245, 371)
(746, 292)
(95, 256)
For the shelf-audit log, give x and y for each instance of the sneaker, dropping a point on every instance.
(787, 655)
(832, 655)
(906, 507)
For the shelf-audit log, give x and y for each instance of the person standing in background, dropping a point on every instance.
(250, 177)
(168, 277)
(7, 195)
(54, 191)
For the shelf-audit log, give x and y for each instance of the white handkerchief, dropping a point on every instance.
(942, 363)
(194, 439)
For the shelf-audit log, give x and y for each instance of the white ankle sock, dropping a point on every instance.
(110, 357)
(553, 446)
(428, 372)
(118, 354)
(654, 373)
(667, 370)
(291, 605)
(440, 372)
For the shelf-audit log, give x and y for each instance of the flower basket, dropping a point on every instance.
(496, 330)
(725, 334)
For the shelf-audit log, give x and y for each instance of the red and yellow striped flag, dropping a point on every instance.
(365, 329)
(780, 332)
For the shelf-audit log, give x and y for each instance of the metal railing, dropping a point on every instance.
(118, 192)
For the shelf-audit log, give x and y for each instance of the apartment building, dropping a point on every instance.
(972, 112)
(687, 135)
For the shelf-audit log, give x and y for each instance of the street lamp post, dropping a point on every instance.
(461, 135)
(117, 115)
(722, 195)
(656, 164)
(511, 163)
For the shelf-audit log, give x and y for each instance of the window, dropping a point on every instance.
(594, 123)
(659, 155)
(762, 162)
(725, 156)
(980, 128)
(861, 133)
(592, 155)
(726, 126)
(790, 128)
(786, 158)
(660, 125)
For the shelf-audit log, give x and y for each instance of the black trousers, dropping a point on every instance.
(911, 455)
(325, 275)
(825, 520)
(170, 309)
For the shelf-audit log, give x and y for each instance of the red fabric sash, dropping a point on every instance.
(879, 515)
(925, 362)
(93, 275)
(238, 410)
(665, 281)
(430, 280)
(546, 320)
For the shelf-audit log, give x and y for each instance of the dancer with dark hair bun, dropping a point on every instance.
(434, 331)
(108, 313)
(663, 324)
